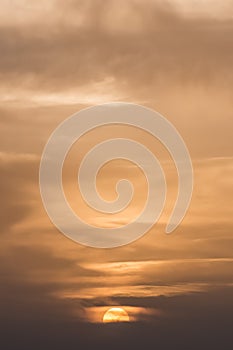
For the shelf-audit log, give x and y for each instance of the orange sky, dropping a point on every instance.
(61, 56)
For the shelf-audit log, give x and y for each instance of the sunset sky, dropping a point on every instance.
(58, 57)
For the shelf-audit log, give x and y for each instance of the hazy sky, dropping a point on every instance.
(58, 57)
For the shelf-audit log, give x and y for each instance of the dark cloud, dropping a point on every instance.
(200, 321)
(31, 277)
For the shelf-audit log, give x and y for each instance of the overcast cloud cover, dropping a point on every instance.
(58, 57)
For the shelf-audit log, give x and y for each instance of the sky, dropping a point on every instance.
(58, 57)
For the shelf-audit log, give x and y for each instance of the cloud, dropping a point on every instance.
(151, 53)
(201, 317)
(16, 192)
(158, 43)
(59, 57)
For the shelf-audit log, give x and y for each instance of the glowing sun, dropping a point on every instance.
(115, 314)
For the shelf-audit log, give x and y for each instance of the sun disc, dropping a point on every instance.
(115, 314)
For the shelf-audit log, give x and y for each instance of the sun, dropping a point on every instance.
(115, 314)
